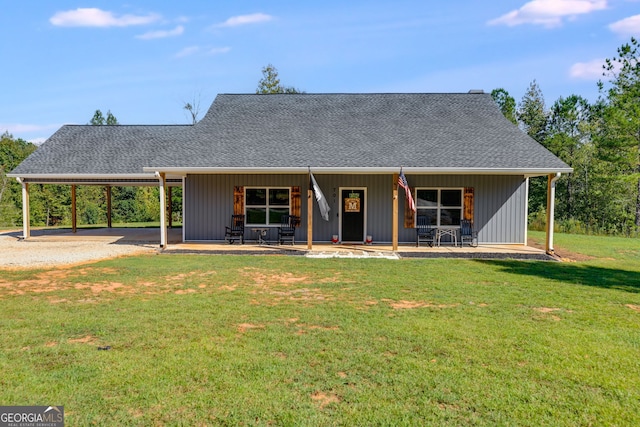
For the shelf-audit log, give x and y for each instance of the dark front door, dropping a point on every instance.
(353, 205)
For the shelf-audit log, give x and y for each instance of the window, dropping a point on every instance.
(265, 206)
(441, 206)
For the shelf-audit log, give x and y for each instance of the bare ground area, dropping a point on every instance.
(36, 253)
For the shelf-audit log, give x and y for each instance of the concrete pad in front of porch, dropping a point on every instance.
(376, 251)
(115, 235)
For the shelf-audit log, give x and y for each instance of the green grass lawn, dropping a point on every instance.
(277, 340)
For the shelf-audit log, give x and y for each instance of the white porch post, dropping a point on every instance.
(526, 211)
(163, 211)
(551, 201)
(26, 223)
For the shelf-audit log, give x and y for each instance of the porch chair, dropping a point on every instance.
(467, 233)
(236, 231)
(287, 229)
(424, 231)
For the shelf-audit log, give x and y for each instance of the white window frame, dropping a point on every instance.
(266, 206)
(438, 208)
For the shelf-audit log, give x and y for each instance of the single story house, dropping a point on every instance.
(253, 155)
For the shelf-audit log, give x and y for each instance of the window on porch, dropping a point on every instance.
(441, 206)
(265, 206)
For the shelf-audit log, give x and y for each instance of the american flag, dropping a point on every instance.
(402, 182)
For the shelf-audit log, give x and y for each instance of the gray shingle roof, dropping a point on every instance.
(361, 130)
(101, 150)
(453, 131)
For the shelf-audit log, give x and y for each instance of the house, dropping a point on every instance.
(252, 155)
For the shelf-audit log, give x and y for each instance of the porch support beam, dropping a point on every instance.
(551, 197)
(169, 198)
(74, 216)
(26, 223)
(163, 211)
(309, 217)
(394, 233)
(108, 191)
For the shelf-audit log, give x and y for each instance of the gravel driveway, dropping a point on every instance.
(56, 250)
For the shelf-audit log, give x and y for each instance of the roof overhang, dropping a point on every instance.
(95, 179)
(527, 172)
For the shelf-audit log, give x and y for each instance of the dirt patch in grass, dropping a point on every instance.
(89, 339)
(564, 254)
(550, 312)
(323, 399)
(56, 280)
(262, 279)
(64, 279)
(244, 327)
(546, 309)
(633, 307)
(406, 305)
(184, 276)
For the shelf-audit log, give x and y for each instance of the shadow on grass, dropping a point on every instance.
(579, 274)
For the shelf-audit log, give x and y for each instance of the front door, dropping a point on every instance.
(352, 204)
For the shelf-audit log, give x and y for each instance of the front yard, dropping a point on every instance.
(262, 340)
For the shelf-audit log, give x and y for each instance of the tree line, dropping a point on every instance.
(599, 140)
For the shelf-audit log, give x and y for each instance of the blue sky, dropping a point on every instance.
(144, 59)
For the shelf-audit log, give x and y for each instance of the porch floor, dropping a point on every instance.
(328, 250)
(147, 236)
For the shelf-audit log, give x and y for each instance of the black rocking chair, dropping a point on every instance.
(467, 233)
(287, 229)
(424, 231)
(236, 231)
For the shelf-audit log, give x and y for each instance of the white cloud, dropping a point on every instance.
(187, 51)
(38, 141)
(255, 18)
(548, 13)
(24, 128)
(219, 50)
(161, 34)
(18, 130)
(591, 70)
(93, 17)
(194, 50)
(627, 27)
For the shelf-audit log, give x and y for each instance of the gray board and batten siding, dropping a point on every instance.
(499, 204)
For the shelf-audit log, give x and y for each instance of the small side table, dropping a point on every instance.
(452, 232)
(261, 233)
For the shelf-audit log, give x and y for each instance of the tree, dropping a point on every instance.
(193, 108)
(506, 103)
(532, 119)
(619, 140)
(111, 119)
(12, 152)
(99, 120)
(568, 137)
(270, 82)
(532, 114)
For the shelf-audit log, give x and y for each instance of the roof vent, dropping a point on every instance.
(476, 91)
